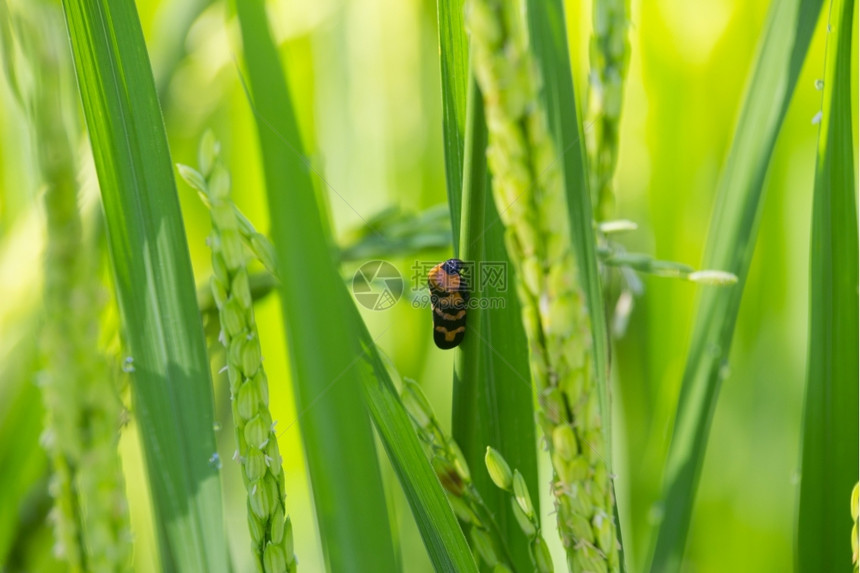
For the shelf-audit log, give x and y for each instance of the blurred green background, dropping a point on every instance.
(365, 79)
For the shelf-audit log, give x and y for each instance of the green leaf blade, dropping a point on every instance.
(347, 486)
(493, 403)
(830, 443)
(334, 323)
(493, 399)
(454, 64)
(171, 385)
(439, 529)
(359, 518)
(730, 245)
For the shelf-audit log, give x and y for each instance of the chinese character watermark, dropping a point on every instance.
(378, 285)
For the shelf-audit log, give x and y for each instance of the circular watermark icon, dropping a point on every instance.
(377, 285)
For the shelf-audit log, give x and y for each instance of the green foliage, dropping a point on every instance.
(442, 537)
(855, 536)
(377, 149)
(731, 241)
(456, 81)
(393, 233)
(336, 428)
(258, 452)
(81, 398)
(830, 445)
(521, 504)
(528, 188)
(21, 415)
(453, 473)
(549, 44)
(492, 394)
(609, 53)
(171, 386)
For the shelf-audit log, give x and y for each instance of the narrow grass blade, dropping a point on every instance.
(830, 444)
(442, 535)
(333, 352)
(454, 63)
(171, 385)
(493, 397)
(347, 487)
(730, 246)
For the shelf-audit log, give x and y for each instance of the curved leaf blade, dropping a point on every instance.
(351, 511)
(357, 515)
(729, 247)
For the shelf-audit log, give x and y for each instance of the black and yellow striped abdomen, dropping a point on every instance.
(449, 296)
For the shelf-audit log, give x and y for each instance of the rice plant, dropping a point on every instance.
(467, 286)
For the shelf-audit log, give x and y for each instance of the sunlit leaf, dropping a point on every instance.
(731, 241)
(830, 444)
(171, 385)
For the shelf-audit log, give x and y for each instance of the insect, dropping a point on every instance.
(449, 295)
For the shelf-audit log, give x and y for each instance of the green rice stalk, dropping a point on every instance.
(610, 56)
(258, 454)
(452, 469)
(644, 263)
(394, 233)
(529, 194)
(82, 403)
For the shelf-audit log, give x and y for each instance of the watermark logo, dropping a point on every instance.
(377, 285)
(481, 276)
(424, 300)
